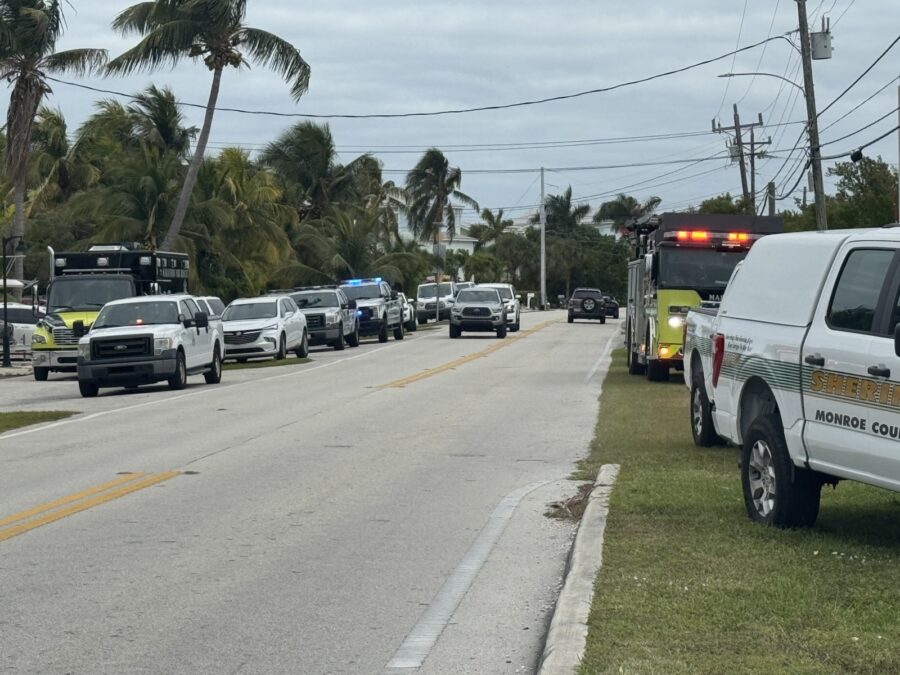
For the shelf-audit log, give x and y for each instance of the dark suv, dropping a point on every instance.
(612, 307)
(587, 303)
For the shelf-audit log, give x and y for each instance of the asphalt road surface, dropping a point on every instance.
(379, 510)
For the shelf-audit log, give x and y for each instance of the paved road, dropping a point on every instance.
(302, 519)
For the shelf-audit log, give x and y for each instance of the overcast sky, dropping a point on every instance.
(423, 55)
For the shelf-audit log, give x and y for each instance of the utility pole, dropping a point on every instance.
(738, 130)
(543, 246)
(770, 189)
(812, 118)
(898, 153)
(753, 146)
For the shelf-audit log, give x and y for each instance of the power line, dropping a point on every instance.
(846, 9)
(861, 129)
(861, 76)
(761, 57)
(860, 105)
(865, 145)
(734, 57)
(457, 111)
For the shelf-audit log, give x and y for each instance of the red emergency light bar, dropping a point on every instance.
(707, 237)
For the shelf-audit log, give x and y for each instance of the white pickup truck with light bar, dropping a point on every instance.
(800, 366)
(680, 261)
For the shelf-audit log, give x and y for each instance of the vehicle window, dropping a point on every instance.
(308, 299)
(477, 295)
(20, 315)
(697, 268)
(192, 306)
(426, 291)
(137, 314)
(446, 289)
(585, 294)
(505, 293)
(365, 292)
(204, 307)
(291, 305)
(857, 290)
(86, 293)
(250, 310)
(216, 305)
(186, 310)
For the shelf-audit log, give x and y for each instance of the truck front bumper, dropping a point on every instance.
(121, 372)
(323, 336)
(426, 314)
(370, 327)
(63, 360)
(486, 324)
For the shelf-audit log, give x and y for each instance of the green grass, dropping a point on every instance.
(264, 363)
(14, 420)
(690, 585)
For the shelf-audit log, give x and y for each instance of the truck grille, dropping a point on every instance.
(64, 336)
(118, 348)
(242, 338)
(365, 313)
(476, 311)
(315, 320)
(430, 305)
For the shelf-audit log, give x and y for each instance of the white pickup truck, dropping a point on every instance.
(800, 367)
(149, 339)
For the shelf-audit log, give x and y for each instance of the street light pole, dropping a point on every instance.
(543, 246)
(815, 152)
(6, 363)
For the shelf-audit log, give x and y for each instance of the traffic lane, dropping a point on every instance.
(376, 527)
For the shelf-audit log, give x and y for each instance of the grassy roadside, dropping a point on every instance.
(14, 420)
(690, 585)
(264, 363)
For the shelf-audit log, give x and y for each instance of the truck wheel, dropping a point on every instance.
(214, 374)
(383, 333)
(421, 321)
(571, 318)
(616, 314)
(775, 491)
(339, 343)
(455, 331)
(657, 371)
(178, 379)
(353, 338)
(88, 389)
(603, 319)
(303, 350)
(515, 327)
(412, 326)
(702, 428)
(41, 374)
(282, 348)
(399, 333)
(501, 332)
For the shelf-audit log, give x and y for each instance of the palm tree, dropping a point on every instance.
(490, 229)
(213, 30)
(624, 210)
(158, 121)
(29, 30)
(429, 188)
(561, 215)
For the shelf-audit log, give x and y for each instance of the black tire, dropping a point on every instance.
(41, 374)
(515, 327)
(282, 348)
(603, 319)
(421, 321)
(214, 374)
(383, 333)
(616, 314)
(501, 332)
(702, 428)
(571, 318)
(399, 331)
(353, 338)
(178, 379)
(339, 343)
(657, 371)
(775, 491)
(635, 367)
(412, 326)
(303, 350)
(88, 389)
(455, 331)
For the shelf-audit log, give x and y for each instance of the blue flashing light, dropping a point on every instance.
(360, 282)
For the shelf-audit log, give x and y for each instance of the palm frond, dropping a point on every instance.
(271, 51)
(143, 17)
(78, 62)
(165, 45)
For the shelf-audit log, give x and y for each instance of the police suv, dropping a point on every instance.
(800, 366)
(377, 307)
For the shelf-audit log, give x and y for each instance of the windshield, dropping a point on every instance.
(504, 292)
(697, 268)
(475, 295)
(427, 290)
(216, 305)
(137, 314)
(315, 299)
(251, 310)
(586, 294)
(362, 292)
(69, 294)
(19, 315)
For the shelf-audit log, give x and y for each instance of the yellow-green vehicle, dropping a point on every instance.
(82, 282)
(681, 260)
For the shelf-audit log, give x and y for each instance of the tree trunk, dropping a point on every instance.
(18, 230)
(184, 200)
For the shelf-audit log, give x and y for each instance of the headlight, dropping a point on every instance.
(38, 339)
(161, 344)
(84, 350)
(676, 321)
(332, 318)
(274, 326)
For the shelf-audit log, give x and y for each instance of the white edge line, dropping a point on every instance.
(421, 639)
(605, 359)
(567, 637)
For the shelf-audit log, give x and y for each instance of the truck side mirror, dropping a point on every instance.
(352, 304)
(78, 329)
(393, 295)
(897, 340)
(201, 320)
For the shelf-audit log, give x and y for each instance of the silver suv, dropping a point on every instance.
(478, 309)
(330, 315)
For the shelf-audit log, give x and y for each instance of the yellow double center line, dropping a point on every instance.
(80, 501)
(451, 365)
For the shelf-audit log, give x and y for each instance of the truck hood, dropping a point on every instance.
(69, 318)
(489, 305)
(369, 302)
(157, 331)
(247, 325)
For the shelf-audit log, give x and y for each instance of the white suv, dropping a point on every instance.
(146, 340)
(267, 326)
(513, 310)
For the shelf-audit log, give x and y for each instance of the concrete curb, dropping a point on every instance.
(567, 636)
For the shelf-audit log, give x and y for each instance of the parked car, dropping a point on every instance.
(464, 284)
(409, 312)
(612, 306)
(267, 326)
(377, 307)
(587, 303)
(148, 339)
(799, 367)
(478, 309)
(331, 317)
(435, 300)
(22, 321)
(508, 295)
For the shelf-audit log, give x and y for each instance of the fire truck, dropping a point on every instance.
(681, 260)
(82, 282)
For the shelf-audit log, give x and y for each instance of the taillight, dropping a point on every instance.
(718, 354)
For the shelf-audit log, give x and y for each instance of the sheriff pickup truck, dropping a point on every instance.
(800, 367)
